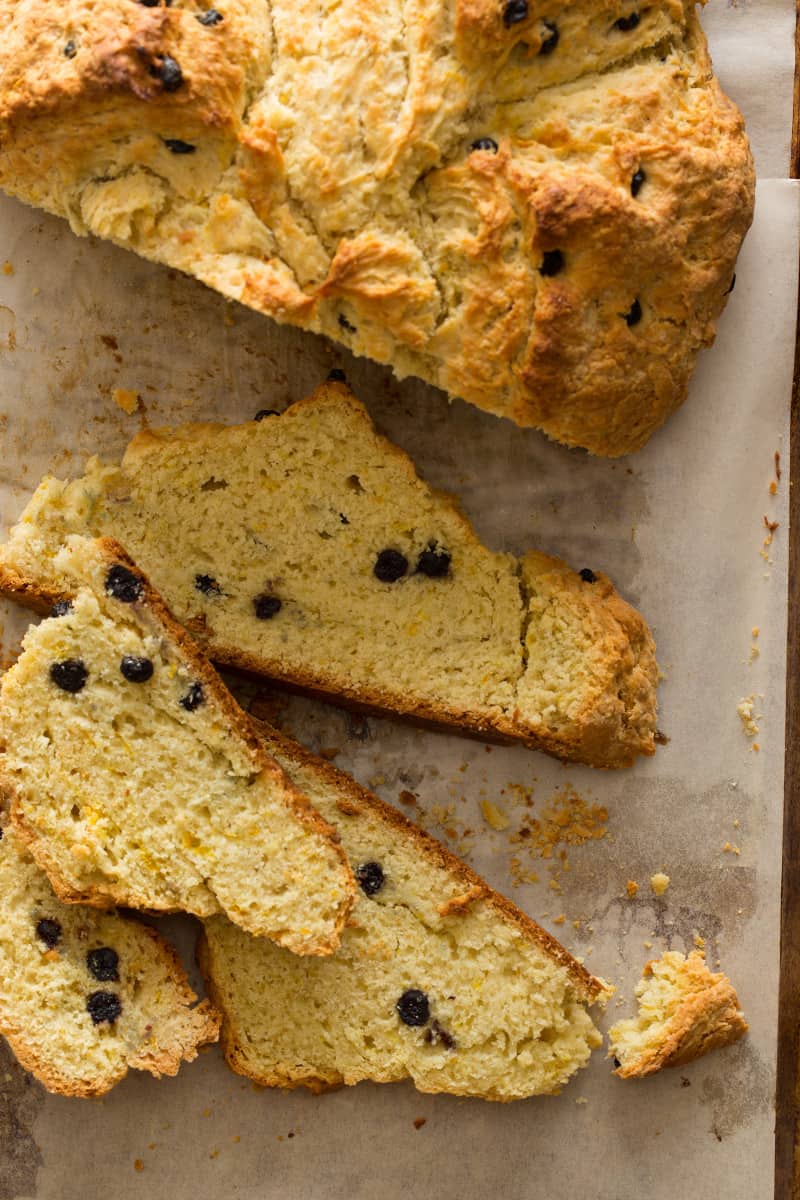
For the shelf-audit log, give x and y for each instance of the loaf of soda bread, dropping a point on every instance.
(135, 779)
(86, 995)
(535, 205)
(305, 547)
(684, 1012)
(437, 977)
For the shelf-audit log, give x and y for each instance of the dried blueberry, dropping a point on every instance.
(413, 1007)
(626, 24)
(49, 930)
(552, 262)
(390, 565)
(210, 17)
(70, 675)
(193, 698)
(169, 72)
(123, 585)
(637, 181)
(370, 878)
(103, 1006)
(208, 585)
(514, 12)
(136, 669)
(103, 963)
(345, 324)
(485, 143)
(176, 146)
(634, 314)
(61, 608)
(336, 375)
(434, 563)
(550, 40)
(70, 49)
(266, 412)
(266, 606)
(588, 575)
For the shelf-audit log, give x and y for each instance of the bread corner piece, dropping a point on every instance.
(87, 995)
(437, 979)
(135, 779)
(684, 1012)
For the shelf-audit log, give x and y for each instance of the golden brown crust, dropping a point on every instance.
(381, 225)
(359, 799)
(616, 722)
(707, 1018)
(301, 808)
(165, 1060)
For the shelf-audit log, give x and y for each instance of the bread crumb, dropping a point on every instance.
(214, 1154)
(755, 631)
(647, 945)
(559, 920)
(419, 1122)
(236, 1138)
(8, 268)
(407, 798)
(631, 887)
(699, 941)
(729, 848)
(494, 816)
(773, 488)
(659, 883)
(581, 1100)
(126, 399)
(744, 710)
(138, 1165)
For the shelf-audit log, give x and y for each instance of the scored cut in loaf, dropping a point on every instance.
(86, 995)
(684, 1012)
(535, 205)
(135, 779)
(437, 978)
(306, 548)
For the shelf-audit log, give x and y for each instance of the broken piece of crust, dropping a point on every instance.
(684, 1012)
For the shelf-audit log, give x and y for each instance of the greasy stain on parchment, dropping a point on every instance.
(20, 1101)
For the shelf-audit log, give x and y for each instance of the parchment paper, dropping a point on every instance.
(679, 527)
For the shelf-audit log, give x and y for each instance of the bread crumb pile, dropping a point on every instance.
(567, 819)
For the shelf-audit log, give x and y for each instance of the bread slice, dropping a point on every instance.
(684, 1011)
(86, 995)
(437, 977)
(306, 548)
(535, 205)
(136, 780)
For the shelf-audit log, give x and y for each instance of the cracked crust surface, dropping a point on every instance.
(300, 506)
(508, 1005)
(320, 166)
(124, 795)
(44, 988)
(685, 1011)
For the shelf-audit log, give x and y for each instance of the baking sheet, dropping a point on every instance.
(680, 528)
